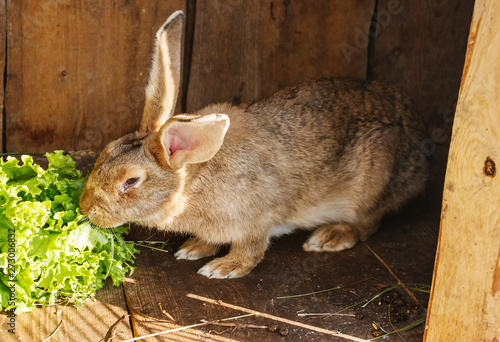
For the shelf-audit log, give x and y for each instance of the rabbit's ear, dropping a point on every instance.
(189, 139)
(164, 79)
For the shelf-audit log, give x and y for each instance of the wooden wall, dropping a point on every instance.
(421, 48)
(76, 70)
(244, 50)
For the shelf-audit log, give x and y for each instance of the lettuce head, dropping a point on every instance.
(49, 252)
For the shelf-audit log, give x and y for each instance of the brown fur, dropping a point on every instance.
(337, 153)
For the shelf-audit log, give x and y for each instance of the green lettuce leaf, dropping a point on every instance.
(49, 252)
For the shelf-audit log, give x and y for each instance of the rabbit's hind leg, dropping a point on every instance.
(337, 237)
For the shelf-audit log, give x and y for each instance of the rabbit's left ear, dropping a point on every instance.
(189, 140)
(164, 79)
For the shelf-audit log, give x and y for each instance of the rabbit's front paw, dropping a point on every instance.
(225, 267)
(194, 249)
(332, 238)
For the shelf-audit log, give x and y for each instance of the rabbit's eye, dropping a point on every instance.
(130, 183)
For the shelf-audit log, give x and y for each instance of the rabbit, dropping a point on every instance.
(332, 155)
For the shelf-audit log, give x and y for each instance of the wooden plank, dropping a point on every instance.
(420, 47)
(244, 50)
(89, 323)
(465, 301)
(3, 36)
(76, 71)
(311, 39)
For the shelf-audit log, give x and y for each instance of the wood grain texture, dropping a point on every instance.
(420, 46)
(89, 323)
(244, 50)
(465, 301)
(77, 70)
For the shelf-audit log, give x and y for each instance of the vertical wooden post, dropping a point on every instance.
(465, 300)
(3, 36)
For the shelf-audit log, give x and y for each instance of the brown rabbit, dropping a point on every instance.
(333, 155)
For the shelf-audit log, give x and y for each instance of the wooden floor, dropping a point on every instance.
(165, 294)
